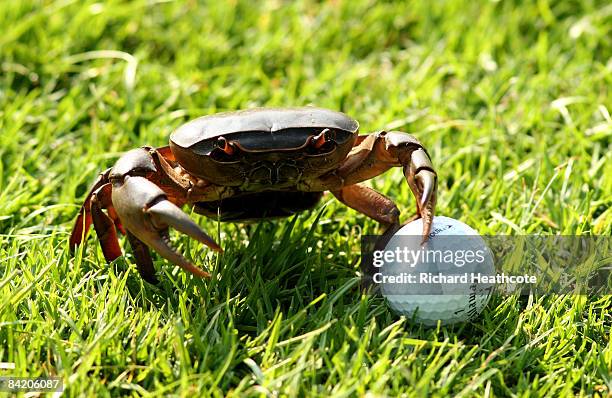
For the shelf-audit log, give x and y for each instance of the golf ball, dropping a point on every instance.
(439, 280)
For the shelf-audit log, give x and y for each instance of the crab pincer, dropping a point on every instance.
(140, 209)
(147, 213)
(422, 180)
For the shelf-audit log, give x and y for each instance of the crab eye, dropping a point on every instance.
(225, 146)
(322, 143)
(225, 151)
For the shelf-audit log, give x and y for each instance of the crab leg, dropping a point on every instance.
(144, 262)
(147, 213)
(369, 202)
(84, 219)
(103, 223)
(378, 152)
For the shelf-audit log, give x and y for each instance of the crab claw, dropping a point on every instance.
(423, 183)
(427, 181)
(147, 213)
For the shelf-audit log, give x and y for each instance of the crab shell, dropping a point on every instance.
(273, 144)
(273, 154)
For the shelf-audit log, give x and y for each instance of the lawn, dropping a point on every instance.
(512, 101)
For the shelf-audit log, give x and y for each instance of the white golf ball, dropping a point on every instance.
(440, 279)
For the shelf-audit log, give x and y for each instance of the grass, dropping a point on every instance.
(512, 101)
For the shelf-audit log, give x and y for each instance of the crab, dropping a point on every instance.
(247, 166)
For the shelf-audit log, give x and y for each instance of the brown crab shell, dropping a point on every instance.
(275, 139)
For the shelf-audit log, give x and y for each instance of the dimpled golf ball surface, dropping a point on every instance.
(429, 303)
